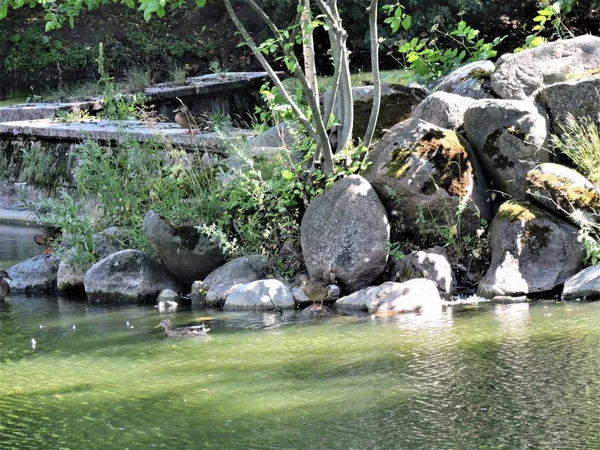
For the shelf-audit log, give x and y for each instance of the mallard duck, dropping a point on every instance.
(193, 124)
(48, 237)
(4, 286)
(194, 331)
(315, 290)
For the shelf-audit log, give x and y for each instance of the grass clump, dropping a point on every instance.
(579, 140)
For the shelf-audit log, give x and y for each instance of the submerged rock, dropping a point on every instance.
(37, 274)
(69, 277)
(129, 276)
(532, 252)
(322, 312)
(345, 232)
(261, 295)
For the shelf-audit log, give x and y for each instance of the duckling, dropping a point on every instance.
(194, 331)
(4, 286)
(48, 237)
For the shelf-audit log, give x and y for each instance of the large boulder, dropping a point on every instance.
(345, 232)
(397, 103)
(418, 295)
(37, 274)
(224, 280)
(584, 285)
(577, 98)
(261, 295)
(532, 251)
(423, 172)
(471, 80)
(188, 253)
(519, 75)
(511, 138)
(565, 192)
(129, 276)
(111, 240)
(443, 110)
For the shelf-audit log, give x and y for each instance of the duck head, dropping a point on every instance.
(166, 324)
(182, 109)
(4, 274)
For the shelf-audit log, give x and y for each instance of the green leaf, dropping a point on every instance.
(287, 174)
(200, 3)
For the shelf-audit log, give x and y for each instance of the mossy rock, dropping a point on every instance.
(422, 171)
(565, 192)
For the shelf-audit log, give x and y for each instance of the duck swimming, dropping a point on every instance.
(194, 331)
(4, 286)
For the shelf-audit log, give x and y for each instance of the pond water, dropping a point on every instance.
(522, 376)
(12, 98)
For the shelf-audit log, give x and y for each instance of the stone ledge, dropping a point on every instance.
(105, 130)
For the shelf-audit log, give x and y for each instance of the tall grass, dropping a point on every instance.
(579, 140)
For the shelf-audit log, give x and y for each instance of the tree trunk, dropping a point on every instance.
(376, 75)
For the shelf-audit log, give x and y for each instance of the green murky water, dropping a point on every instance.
(501, 377)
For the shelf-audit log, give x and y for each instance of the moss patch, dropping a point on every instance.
(399, 162)
(453, 170)
(564, 193)
(514, 211)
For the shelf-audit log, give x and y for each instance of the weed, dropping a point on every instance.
(579, 139)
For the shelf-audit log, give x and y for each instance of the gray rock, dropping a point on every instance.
(111, 240)
(443, 110)
(532, 251)
(397, 103)
(70, 277)
(129, 276)
(310, 313)
(418, 295)
(564, 192)
(471, 80)
(511, 138)
(189, 254)
(584, 285)
(261, 295)
(577, 98)
(345, 232)
(519, 75)
(419, 170)
(168, 295)
(430, 264)
(224, 280)
(240, 270)
(217, 294)
(37, 274)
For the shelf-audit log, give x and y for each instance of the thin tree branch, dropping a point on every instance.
(376, 75)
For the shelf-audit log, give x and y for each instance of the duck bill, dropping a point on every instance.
(158, 326)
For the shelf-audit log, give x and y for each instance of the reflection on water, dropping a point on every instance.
(17, 245)
(503, 377)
